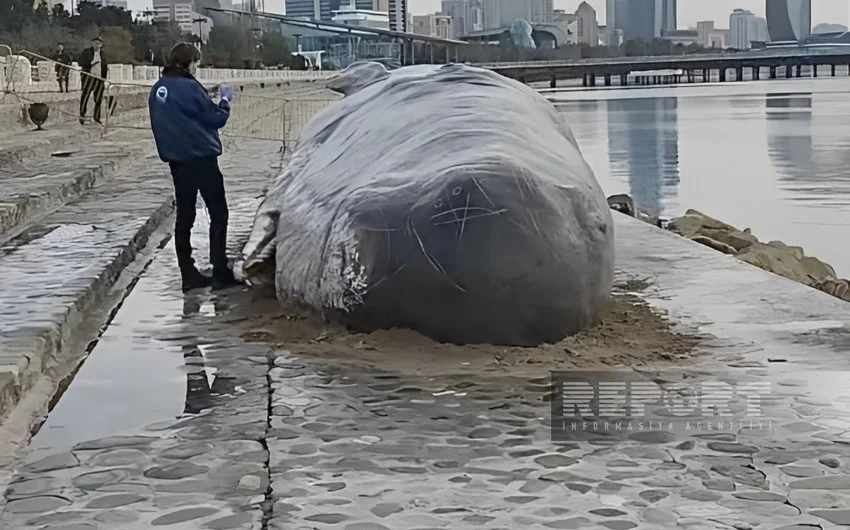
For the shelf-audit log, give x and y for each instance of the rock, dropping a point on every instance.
(830, 461)
(554, 461)
(774, 256)
(835, 287)
(839, 517)
(622, 203)
(782, 260)
(716, 245)
(249, 482)
(833, 482)
(695, 223)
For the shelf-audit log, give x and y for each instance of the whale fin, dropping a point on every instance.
(358, 76)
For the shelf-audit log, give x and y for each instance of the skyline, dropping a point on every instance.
(690, 11)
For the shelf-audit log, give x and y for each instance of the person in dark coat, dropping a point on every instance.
(94, 68)
(63, 63)
(185, 123)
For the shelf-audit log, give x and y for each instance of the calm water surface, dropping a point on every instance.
(772, 156)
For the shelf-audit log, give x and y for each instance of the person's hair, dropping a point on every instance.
(182, 55)
(97, 39)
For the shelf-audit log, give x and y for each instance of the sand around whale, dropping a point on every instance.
(445, 199)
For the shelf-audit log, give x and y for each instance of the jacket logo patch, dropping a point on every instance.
(162, 94)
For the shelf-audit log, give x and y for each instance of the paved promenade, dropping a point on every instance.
(175, 420)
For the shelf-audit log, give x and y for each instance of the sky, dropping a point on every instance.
(690, 11)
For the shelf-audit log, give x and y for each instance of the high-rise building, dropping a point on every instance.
(321, 9)
(640, 19)
(179, 11)
(501, 13)
(466, 16)
(588, 26)
(746, 28)
(789, 20)
(436, 25)
(398, 15)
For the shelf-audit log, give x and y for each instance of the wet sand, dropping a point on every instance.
(630, 334)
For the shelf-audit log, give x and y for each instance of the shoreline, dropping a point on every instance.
(774, 256)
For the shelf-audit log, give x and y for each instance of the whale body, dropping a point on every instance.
(446, 199)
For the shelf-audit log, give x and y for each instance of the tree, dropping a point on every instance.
(117, 45)
(274, 50)
(230, 46)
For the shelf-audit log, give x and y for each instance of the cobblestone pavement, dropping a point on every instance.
(175, 422)
(67, 261)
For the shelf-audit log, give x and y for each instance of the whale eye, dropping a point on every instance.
(457, 191)
(438, 203)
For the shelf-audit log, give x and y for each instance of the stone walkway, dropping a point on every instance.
(175, 422)
(60, 266)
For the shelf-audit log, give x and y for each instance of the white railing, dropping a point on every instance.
(16, 74)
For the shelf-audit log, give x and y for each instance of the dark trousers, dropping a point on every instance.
(91, 86)
(191, 177)
(62, 75)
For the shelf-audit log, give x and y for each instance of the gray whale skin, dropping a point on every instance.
(445, 199)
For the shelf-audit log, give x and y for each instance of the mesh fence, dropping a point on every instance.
(269, 111)
(258, 114)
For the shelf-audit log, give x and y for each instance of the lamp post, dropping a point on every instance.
(200, 21)
(258, 35)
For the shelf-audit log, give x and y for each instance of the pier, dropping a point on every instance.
(622, 71)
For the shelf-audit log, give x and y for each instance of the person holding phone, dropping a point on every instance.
(185, 123)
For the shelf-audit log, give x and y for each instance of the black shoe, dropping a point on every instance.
(224, 280)
(82, 121)
(193, 279)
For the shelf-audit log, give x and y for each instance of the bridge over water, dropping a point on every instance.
(789, 60)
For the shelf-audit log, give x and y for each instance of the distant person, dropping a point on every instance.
(185, 123)
(94, 72)
(63, 63)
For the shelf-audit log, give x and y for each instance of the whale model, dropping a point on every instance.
(446, 199)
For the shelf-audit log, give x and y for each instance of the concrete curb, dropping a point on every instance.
(47, 349)
(31, 207)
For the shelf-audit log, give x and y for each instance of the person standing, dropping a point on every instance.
(63, 63)
(185, 123)
(94, 73)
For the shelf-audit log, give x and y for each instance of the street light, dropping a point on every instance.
(258, 35)
(200, 21)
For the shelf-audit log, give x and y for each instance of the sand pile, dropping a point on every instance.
(630, 334)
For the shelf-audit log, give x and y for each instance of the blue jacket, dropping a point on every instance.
(184, 120)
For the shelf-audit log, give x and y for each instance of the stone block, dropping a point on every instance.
(45, 70)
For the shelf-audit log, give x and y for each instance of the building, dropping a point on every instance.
(746, 28)
(467, 16)
(321, 9)
(685, 37)
(789, 20)
(436, 25)
(501, 13)
(710, 37)
(367, 18)
(179, 11)
(122, 4)
(641, 19)
(381, 5)
(398, 15)
(587, 25)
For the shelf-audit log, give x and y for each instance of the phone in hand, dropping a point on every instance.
(226, 93)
